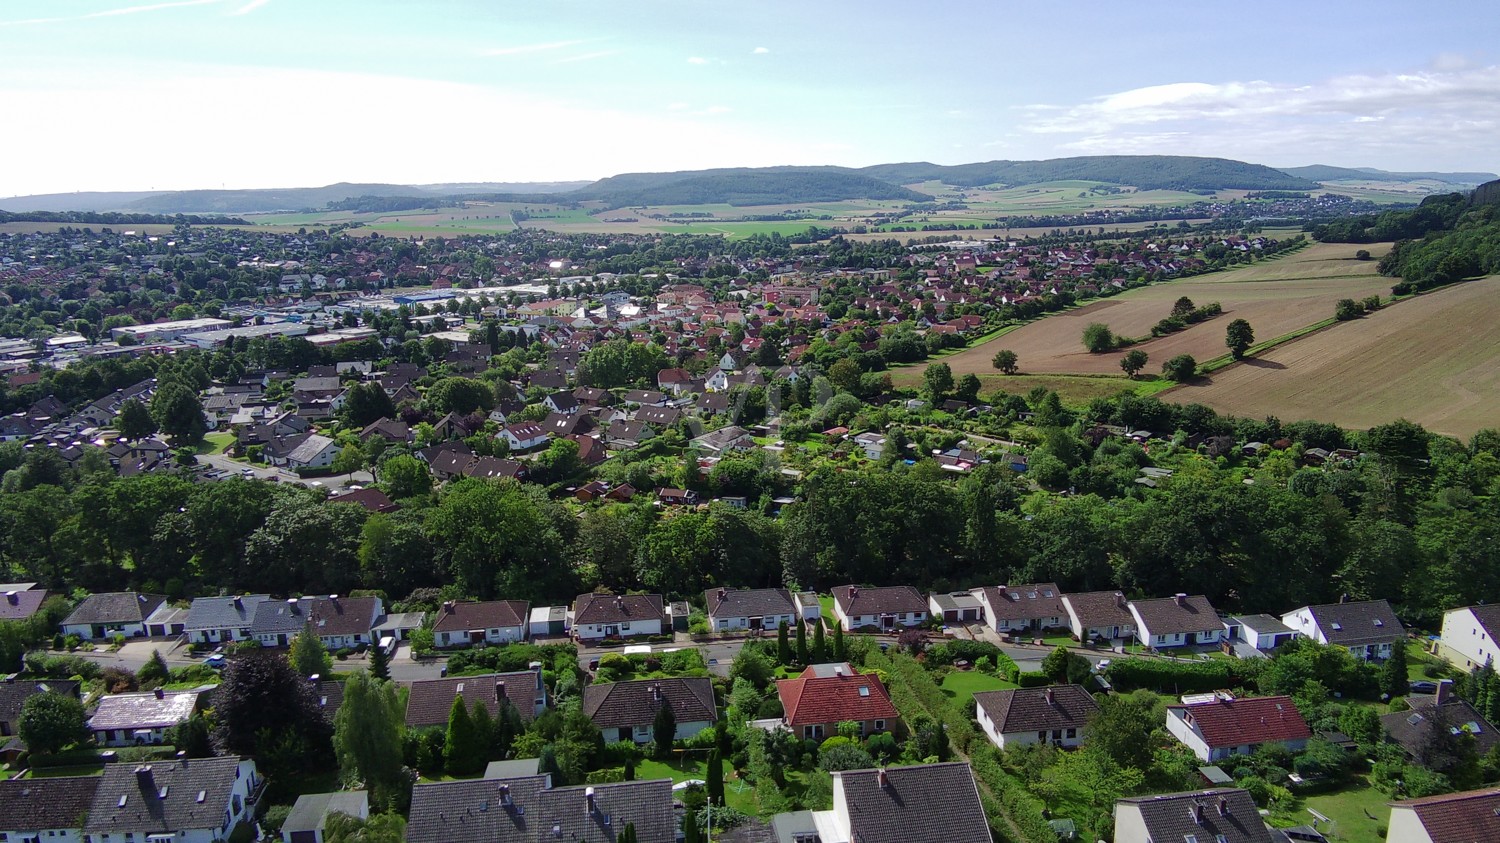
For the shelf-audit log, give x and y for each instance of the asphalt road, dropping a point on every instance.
(333, 484)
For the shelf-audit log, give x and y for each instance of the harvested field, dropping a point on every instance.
(1276, 297)
(1434, 360)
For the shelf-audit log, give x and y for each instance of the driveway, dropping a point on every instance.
(334, 485)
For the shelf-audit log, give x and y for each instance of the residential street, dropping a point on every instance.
(334, 485)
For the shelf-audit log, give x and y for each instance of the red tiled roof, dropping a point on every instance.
(810, 700)
(1456, 817)
(1248, 721)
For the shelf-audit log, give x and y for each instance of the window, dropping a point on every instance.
(1072, 733)
(879, 725)
(1042, 736)
(1161, 639)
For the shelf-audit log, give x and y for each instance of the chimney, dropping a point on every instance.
(723, 594)
(1440, 696)
(1223, 806)
(1180, 598)
(838, 670)
(853, 591)
(333, 598)
(12, 598)
(590, 806)
(1344, 598)
(885, 781)
(145, 781)
(1120, 599)
(1197, 812)
(443, 672)
(1051, 697)
(447, 607)
(656, 694)
(239, 602)
(291, 605)
(313, 680)
(505, 795)
(160, 694)
(1004, 591)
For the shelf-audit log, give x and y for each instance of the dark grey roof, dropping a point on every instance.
(126, 802)
(610, 608)
(894, 599)
(476, 811)
(344, 616)
(1163, 615)
(115, 607)
(566, 815)
(1099, 609)
(616, 704)
(928, 803)
(430, 700)
(1412, 728)
(1171, 816)
(15, 692)
(44, 804)
(748, 603)
(224, 612)
(1030, 710)
(1362, 622)
(1025, 602)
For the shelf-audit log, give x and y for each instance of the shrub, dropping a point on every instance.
(1181, 368)
(1170, 677)
(1033, 679)
(1347, 309)
(1098, 338)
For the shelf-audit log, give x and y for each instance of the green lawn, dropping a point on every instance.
(826, 601)
(962, 685)
(56, 772)
(740, 795)
(1348, 808)
(215, 443)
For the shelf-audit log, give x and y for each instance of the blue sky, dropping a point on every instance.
(176, 94)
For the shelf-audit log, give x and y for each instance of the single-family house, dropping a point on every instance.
(758, 608)
(528, 809)
(524, 436)
(1056, 714)
(1217, 726)
(956, 607)
(884, 608)
(217, 620)
(626, 711)
(1254, 636)
(104, 615)
(561, 402)
(309, 816)
(600, 616)
(825, 695)
(394, 431)
(1220, 815)
(20, 604)
(873, 444)
(1368, 628)
(723, 441)
(314, 451)
(429, 701)
(926, 803)
(195, 800)
(33, 810)
(1425, 727)
(140, 719)
(337, 621)
(1022, 608)
(15, 692)
(1177, 621)
(626, 435)
(1466, 817)
(1099, 615)
(658, 417)
(675, 381)
(465, 624)
(372, 500)
(1469, 637)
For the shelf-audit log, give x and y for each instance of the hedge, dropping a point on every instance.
(1175, 677)
(1016, 803)
(972, 651)
(1032, 679)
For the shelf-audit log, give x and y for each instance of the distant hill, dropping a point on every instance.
(743, 186)
(1324, 172)
(262, 201)
(1147, 172)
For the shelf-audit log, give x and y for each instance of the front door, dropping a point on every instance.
(755, 623)
(476, 636)
(281, 639)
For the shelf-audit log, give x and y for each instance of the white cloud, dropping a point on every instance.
(697, 60)
(110, 13)
(760, 51)
(587, 56)
(677, 106)
(1406, 115)
(522, 49)
(249, 7)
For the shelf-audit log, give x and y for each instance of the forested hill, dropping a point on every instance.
(1147, 172)
(767, 186)
(1324, 172)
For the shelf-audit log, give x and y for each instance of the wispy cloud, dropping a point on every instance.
(587, 57)
(697, 60)
(111, 13)
(522, 49)
(249, 7)
(760, 51)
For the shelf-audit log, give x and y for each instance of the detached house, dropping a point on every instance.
(1469, 636)
(524, 437)
(1431, 718)
(337, 621)
(1176, 621)
(1222, 815)
(760, 608)
(218, 620)
(194, 801)
(599, 616)
(1217, 726)
(1023, 608)
(825, 695)
(626, 711)
(926, 803)
(140, 719)
(1450, 818)
(45, 809)
(430, 700)
(528, 809)
(884, 608)
(1368, 628)
(104, 615)
(462, 624)
(1057, 714)
(1101, 615)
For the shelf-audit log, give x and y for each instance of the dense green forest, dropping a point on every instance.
(114, 218)
(1147, 172)
(745, 187)
(1447, 238)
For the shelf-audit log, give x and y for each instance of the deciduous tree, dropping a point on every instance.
(1239, 336)
(1006, 361)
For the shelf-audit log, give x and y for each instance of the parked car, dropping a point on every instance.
(215, 661)
(1423, 687)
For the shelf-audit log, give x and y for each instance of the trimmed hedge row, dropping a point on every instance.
(1174, 677)
(1016, 804)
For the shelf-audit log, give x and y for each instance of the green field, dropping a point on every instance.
(962, 685)
(1351, 809)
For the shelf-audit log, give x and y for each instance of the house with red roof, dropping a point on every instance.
(825, 695)
(1471, 815)
(1216, 726)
